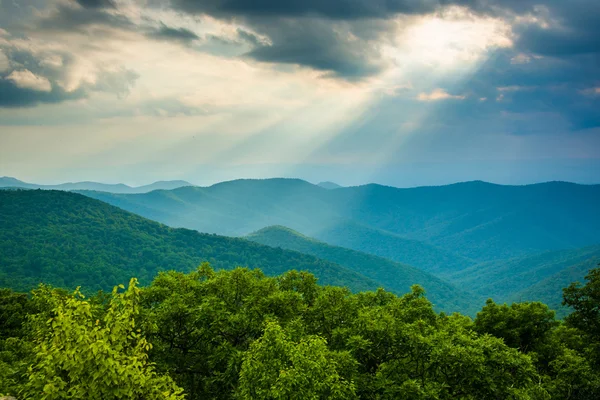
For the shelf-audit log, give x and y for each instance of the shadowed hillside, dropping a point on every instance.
(474, 220)
(397, 277)
(66, 239)
(539, 277)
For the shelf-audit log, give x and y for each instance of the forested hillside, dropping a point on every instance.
(66, 239)
(393, 246)
(538, 277)
(398, 277)
(241, 335)
(547, 290)
(474, 220)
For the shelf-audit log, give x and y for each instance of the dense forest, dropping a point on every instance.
(68, 240)
(239, 334)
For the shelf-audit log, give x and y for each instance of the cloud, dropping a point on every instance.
(119, 81)
(66, 18)
(318, 44)
(438, 94)
(96, 3)
(25, 79)
(332, 9)
(550, 27)
(252, 38)
(520, 58)
(12, 95)
(177, 34)
(4, 63)
(38, 74)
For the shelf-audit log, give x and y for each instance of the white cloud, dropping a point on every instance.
(513, 88)
(26, 79)
(438, 94)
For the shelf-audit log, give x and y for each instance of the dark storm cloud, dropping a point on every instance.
(13, 96)
(67, 19)
(96, 3)
(313, 43)
(250, 38)
(338, 9)
(560, 41)
(178, 34)
(324, 35)
(575, 27)
(117, 81)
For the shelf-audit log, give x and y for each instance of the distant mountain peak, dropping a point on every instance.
(121, 188)
(280, 230)
(10, 179)
(329, 185)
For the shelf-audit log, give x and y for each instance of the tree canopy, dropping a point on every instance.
(240, 334)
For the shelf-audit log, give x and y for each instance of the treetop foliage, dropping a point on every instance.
(240, 334)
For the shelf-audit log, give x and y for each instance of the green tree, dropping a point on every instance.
(585, 301)
(201, 323)
(276, 367)
(81, 357)
(572, 377)
(14, 348)
(523, 326)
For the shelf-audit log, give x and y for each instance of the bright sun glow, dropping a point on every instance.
(452, 39)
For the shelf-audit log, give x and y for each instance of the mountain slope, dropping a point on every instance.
(475, 220)
(112, 188)
(391, 246)
(538, 277)
(67, 240)
(549, 291)
(480, 220)
(397, 277)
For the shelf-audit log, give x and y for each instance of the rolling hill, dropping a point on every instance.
(473, 220)
(391, 246)
(397, 277)
(546, 291)
(66, 239)
(8, 182)
(540, 277)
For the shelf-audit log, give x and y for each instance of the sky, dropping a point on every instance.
(398, 92)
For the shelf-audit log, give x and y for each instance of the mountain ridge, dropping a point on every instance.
(474, 220)
(7, 181)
